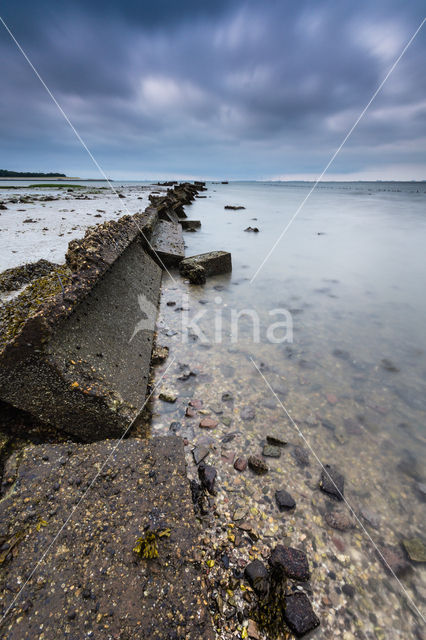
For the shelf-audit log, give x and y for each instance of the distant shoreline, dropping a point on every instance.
(53, 178)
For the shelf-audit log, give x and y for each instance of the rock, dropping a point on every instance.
(199, 453)
(271, 451)
(175, 427)
(393, 559)
(240, 464)
(276, 441)
(227, 397)
(213, 263)
(190, 412)
(299, 614)
(253, 630)
(415, 548)
(258, 577)
(159, 354)
(332, 482)
(248, 413)
(257, 465)
(339, 520)
(284, 500)
(207, 475)
(100, 542)
(331, 398)
(208, 423)
(370, 516)
(301, 455)
(190, 225)
(196, 274)
(254, 229)
(348, 590)
(289, 562)
(232, 207)
(196, 404)
(168, 396)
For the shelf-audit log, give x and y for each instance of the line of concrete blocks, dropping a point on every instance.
(75, 346)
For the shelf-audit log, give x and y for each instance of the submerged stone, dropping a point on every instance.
(289, 562)
(299, 614)
(258, 577)
(284, 500)
(271, 451)
(415, 548)
(207, 475)
(257, 465)
(332, 482)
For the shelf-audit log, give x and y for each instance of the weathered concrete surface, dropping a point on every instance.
(62, 358)
(167, 242)
(213, 263)
(91, 583)
(190, 225)
(75, 346)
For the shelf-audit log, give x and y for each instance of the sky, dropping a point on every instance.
(230, 89)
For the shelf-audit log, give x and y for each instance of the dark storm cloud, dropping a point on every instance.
(237, 88)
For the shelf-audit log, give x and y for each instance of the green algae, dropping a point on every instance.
(147, 545)
(15, 313)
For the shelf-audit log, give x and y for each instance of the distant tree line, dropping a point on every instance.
(4, 173)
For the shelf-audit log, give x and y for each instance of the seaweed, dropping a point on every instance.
(147, 545)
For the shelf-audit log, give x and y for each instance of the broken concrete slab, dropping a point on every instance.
(190, 225)
(213, 263)
(92, 583)
(62, 353)
(167, 242)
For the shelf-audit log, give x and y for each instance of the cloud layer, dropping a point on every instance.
(235, 88)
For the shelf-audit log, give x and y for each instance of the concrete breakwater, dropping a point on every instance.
(75, 352)
(69, 353)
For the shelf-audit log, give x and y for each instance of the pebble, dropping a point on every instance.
(199, 453)
(299, 614)
(207, 475)
(276, 441)
(301, 455)
(258, 577)
(257, 465)
(284, 500)
(339, 520)
(290, 562)
(332, 482)
(168, 396)
(208, 423)
(415, 548)
(271, 451)
(240, 464)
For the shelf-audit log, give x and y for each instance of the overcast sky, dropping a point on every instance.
(216, 89)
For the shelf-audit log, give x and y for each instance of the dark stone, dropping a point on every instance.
(258, 577)
(348, 590)
(207, 475)
(257, 465)
(301, 455)
(175, 426)
(200, 452)
(289, 562)
(332, 482)
(276, 441)
(299, 614)
(284, 500)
